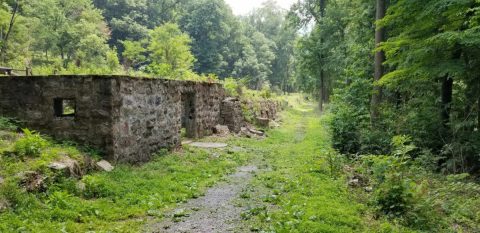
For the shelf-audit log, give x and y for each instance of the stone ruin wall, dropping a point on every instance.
(146, 116)
(232, 114)
(31, 100)
(234, 117)
(267, 109)
(128, 119)
(149, 115)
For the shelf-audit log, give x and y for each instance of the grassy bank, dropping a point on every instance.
(303, 185)
(120, 201)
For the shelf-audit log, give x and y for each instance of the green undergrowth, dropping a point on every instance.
(301, 191)
(302, 185)
(407, 190)
(307, 186)
(119, 201)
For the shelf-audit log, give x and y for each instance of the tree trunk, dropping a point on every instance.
(284, 83)
(3, 50)
(62, 55)
(478, 114)
(322, 89)
(379, 60)
(478, 103)
(322, 58)
(447, 97)
(327, 90)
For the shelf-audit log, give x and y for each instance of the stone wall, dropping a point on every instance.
(264, 108)
(232, 114)
(149, 115)
(238, 113)
(32, 100)
(146, 116)
(127, 118)
(268, 109)
(208, 100)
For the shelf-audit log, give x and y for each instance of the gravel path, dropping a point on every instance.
(214, 212)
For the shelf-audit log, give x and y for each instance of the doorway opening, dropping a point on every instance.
(188, 115)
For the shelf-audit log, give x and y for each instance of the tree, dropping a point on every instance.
(15, 39)
(169, 50)
(134, 54)
(71, 34)
(131, 20)
(272, 22)
(304, 13)
(4, 39)
(210, 24)
(166, 52)
(379, 60)
(255, 62)
(435, 70)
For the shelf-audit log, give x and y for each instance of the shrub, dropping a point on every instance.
(266, 92)
(374, 141)
(232, 87)
(31, 144)
(8, 124)
(96, 187)
(399, 193)
(394, 197)
(336, 162)
(345, 130)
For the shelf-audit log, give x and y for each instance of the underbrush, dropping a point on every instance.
(417, 180)
(310, 187)
(402, 190)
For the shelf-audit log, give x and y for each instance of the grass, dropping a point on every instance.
(305, 187)
(300, 190)
(301, 186)
(119, 201)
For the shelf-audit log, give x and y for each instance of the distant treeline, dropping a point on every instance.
(168, 38)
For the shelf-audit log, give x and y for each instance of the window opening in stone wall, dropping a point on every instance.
(64, 107)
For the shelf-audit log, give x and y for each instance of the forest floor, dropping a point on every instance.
(286, 186)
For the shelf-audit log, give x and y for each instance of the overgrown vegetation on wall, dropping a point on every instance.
(265, 103)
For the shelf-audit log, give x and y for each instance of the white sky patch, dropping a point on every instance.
(243, 7)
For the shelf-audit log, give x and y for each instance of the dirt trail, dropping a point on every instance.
(214, 212)
(220, 210)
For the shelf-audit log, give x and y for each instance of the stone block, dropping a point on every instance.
(262, 122)
(104, 165)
